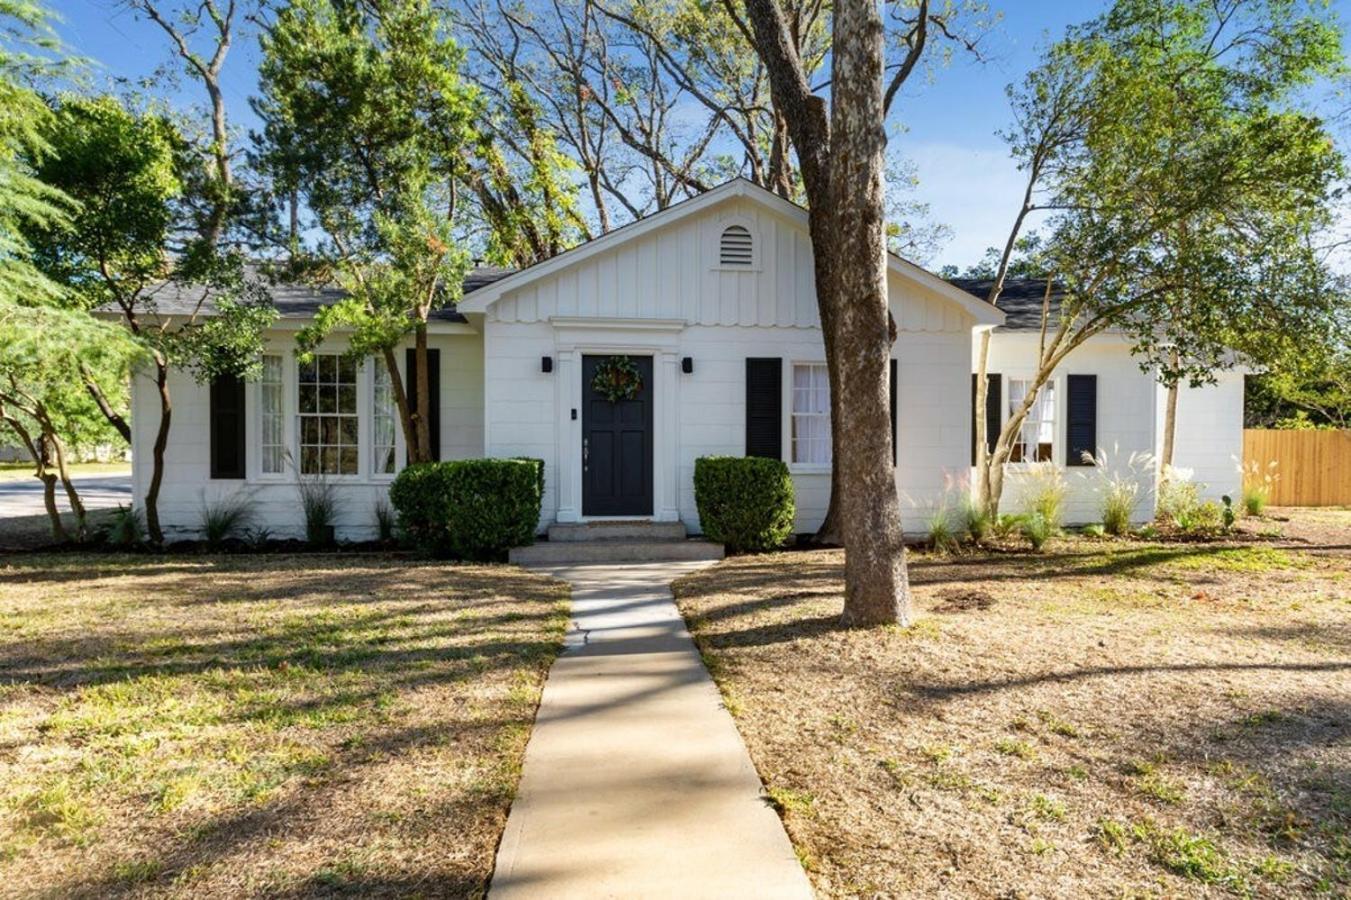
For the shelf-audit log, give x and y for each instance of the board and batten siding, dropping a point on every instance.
(274, 499)
(665, 293)
(674, 273)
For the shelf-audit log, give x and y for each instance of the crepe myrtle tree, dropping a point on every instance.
(1183, 188)
(123, 169)
(366, 117)
(42, 403)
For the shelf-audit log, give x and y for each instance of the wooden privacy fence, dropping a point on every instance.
(1314, 466)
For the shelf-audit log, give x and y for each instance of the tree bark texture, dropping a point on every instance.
(166, 410)
(841, 160)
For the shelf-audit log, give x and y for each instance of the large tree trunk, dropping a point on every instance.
(841, 161)
(166, 409)
(876, 586)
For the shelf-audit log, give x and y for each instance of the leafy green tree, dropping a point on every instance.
(1308, 389)
(40, 402)
(27, 58)
(124, 170)
(1184, 188)
(366, 116)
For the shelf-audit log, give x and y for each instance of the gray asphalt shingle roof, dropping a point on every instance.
(1020, 300)
(301, 301)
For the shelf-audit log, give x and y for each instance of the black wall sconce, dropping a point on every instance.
(687, 364)
(546, 364)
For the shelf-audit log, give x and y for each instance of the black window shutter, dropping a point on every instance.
(433, 388)
(892, 383)
(993, 419)
(227, 427)
(764, 407)
(1081, 418)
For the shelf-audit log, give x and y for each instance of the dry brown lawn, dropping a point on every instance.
(263, 726)
(1105, 719)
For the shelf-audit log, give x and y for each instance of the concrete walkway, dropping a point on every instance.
(636, 782)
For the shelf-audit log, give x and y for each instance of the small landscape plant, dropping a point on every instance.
(1179, 502)
(1045, 491)
(469, 508)
(976, 519)
(1037, 529)
(385, 521)
(127, 528)
(1258, 483)
(1120, 488)
(319, 502)
(225, 518)
(942, 537)
(746, 503)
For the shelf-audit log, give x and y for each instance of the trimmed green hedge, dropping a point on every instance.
(744, 502)
(469, 508)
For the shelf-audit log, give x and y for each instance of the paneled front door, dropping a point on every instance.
(616, 445)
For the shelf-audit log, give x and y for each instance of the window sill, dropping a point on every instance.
(809, 468)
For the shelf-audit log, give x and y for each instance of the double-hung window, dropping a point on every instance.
(327, 401)
(272, 417)
(811, 414)
(1036, 439)
(383, 420)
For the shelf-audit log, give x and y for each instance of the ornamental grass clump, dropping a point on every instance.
(225, 518)
(319, 502)
(1044, 494)
(1258, 483)
(1120, 487)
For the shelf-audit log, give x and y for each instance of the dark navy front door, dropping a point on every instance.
(616, 446)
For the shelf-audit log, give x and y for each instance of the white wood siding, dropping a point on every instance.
(674, 273)
(274, 501)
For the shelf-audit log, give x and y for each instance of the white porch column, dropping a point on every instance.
(666, 453)
(568, 462)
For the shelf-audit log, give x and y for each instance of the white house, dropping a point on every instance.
(713, 301)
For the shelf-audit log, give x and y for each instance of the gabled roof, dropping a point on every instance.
(983, 312)
(1020, 299)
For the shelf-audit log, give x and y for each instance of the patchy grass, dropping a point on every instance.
(263, 726)
(1123, 719)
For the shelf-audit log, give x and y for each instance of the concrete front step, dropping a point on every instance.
(550, 553)
(617, 530)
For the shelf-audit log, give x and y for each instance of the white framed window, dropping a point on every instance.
(384, 420)
(327, 400)
(272, 417)
(811, 414)
(1036, 439)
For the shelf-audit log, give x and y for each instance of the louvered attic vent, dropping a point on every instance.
(735, 248)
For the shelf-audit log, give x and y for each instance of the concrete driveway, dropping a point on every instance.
(22, 497)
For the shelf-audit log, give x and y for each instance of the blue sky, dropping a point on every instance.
(945, 124)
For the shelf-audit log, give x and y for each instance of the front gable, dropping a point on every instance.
(693, 263)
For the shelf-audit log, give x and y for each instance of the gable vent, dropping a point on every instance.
(735, 247)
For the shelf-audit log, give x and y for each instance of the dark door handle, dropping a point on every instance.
(586, 452)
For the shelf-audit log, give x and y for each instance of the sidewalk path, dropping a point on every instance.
(636, 782)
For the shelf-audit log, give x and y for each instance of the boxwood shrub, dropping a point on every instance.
(744, 502)
(469, 508)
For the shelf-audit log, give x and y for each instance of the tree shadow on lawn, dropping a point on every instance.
(249, 837)
(293, 656)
